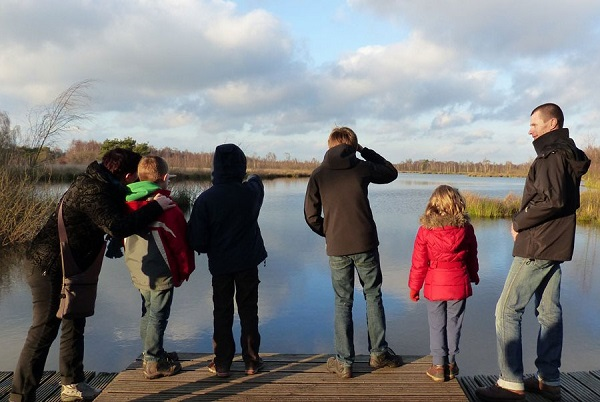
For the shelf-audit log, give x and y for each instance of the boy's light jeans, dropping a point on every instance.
(370, 277)
(156, 308)
(528, 278)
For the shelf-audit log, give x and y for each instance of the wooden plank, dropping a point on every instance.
(574, 390)
(5, 384)
(589, 380)
(287, 377)
(293, 377)
(43, 391)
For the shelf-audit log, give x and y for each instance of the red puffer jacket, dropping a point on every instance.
(445, 259)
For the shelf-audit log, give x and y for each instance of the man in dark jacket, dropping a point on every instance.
(224, 225)
(93, 206)
(544, 235)
(336, 207)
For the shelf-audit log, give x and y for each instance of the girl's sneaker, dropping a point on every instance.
(437, 372)
(452, 370)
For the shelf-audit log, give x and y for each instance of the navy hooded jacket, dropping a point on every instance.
(224, 220)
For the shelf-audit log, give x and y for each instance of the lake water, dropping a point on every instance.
(296, 298)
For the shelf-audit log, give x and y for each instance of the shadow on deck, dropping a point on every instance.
(296, 378)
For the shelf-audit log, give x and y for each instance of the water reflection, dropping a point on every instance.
(296, 299)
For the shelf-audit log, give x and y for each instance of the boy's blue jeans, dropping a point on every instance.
(529, 278)
(156, 308)
(370, 277)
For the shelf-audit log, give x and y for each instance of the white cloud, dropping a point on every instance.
(191, 73)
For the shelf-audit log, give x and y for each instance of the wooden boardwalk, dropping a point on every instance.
(297, 378)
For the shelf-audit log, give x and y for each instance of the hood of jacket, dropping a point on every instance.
(340, 157)
(559, 141)
(141, 190)
(229, 164)
(440, 221)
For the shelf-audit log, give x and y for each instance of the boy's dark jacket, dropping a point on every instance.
(336, 204)
(93, 206)
(224, 220)
(546, 221)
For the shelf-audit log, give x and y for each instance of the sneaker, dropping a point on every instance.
(536, 386)
(80, 391)
(386, 359)
(495, 393)
(254, 366)
(212, 367)
(452, 370)
(334, 366)
(163, 367)
(437, 372)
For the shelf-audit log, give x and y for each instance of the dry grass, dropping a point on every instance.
(24, 207)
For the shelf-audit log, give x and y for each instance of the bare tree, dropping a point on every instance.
(50, 122)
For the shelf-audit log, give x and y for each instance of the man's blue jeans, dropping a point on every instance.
(529, 278)
(342, 277)
(156, 308)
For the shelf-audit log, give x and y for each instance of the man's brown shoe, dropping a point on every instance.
(334, 366)
(162, 368)
(536, 386)
(495, 393)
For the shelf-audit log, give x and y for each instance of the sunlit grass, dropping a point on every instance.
(497, 208)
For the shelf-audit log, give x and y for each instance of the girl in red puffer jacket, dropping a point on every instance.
(445, 261)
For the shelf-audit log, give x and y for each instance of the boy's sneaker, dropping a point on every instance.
(212, 367)
(254, 366)
(452, 370)
(386, 359)
(80, 391)
(169, 355)
(437, 372)
(536, 386)
(163, 367)
(334, 366)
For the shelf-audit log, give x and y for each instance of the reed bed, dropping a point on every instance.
(494, 208)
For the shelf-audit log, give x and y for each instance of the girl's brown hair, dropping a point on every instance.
(446, 200)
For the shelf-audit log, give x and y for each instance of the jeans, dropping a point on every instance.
(244, 285)
(370, 277)
(445, 323)
(529, 278)
(156, 308)
(45, 291)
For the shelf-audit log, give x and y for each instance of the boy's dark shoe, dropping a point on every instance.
(254, 366)
(452, 370)
(495, 393)
(437, 372)
(536, 386)
(212, 367)
(334, 366)
(386, 359)
(163, 367)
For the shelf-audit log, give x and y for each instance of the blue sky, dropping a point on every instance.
(452, 80)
